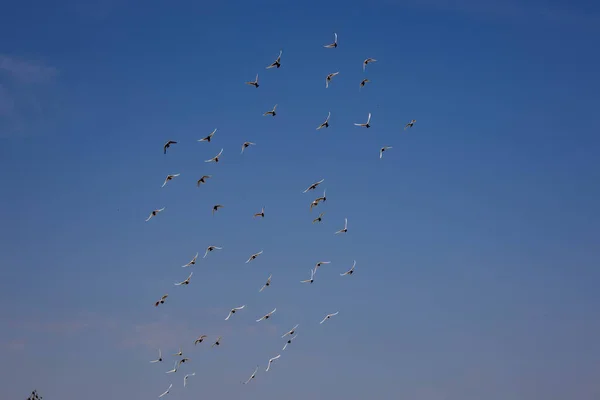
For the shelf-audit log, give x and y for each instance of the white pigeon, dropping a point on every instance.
(209, 137)
(187, 280)
(159, 359)
(253, 256)
(289, 341)
(272, 112)
(277, 62)
(271, 360)
(328, 78)
(266, 316)
(193, 262)
(329, 316)
(246, 144)
(211, 248)
(215, 158)
(255, 83)
(312, 277)
(169, 177)
(314, 185)
(291, 331)
(233, 310)
(179, 353)
(345, 227)
(154, 213)
(332, 45)
(326, 123)
(268, 283)
(170, 386)
(367, 124)
(368, 61)
(217, 342)
(174, 368)
(384, 148)
(251, 376)
(410, 124)
(320, 263)
(185, 378)
(350, 271)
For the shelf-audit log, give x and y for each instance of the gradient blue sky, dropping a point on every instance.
(476, 237)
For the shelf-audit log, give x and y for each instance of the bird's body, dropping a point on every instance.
(367, 124)
(329, 316)
(345, 229)
(233, 311)
(260, 214)
(267, 284)
(363, 83)
(272, 112)
(247, 144)
(154, 213)
(171, 371)
(209, 137)
(168, 178)
(202, 180)
(321, 263)
(215, 158)
(410, 124)
(217, 342)
(329, 77)
(368, 61)
(254, 83)
(187, 280)
(289, 341)
(319, 218)
(216, 208)
(211, 248)
(291, 331)
(325, 124)
(200, 339)
(312, 277)
(266, 316)
(192, 262)
(314, 185)
(334, 44)
(277, 62)
(384, 148)
(253, 256)
(159, 359)
(350, 271)
(167, 145)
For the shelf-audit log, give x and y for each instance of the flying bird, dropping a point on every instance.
(291, 331)
(319, 218)
(182, 361)
(272, 112)
(334, 44)
(185, 378)
(345, 227)
(312, 277)
(271, 360)
(162, 300)
(384, 148)
(200, 339)
(363, 82)
(326, 123)
(329, 316)
(187, 280)
(266, 316)
(233, 310)
(260, 214)
(367, 125)
(217, 342)
(255, 83)
(159, 359)
(193, 262)
(202, 180)
(207, 138)
(253, 256)
(215, 158)
(170, 386)
(314, 185)
(216, 208)
(268, 283)
(328, 79)
(350, 271)
(174, 368)
(167, 145)
(154, 213)
(211, 248)
(289, 341)
(179, 353)
(410, 124)
(245, 145)
(168, 178)
(368, 61)
(277, 62)
(320, 263)
(251, 376)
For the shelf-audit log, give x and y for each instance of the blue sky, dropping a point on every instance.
(475, 236)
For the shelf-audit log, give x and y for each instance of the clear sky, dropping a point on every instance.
(475, 237)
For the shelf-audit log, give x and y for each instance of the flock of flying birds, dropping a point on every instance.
(291, 334)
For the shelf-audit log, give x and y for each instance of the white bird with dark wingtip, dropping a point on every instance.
(345, 227)
(245, 145)
(185, 378)
(410, 124)
(187, 280)
(211, 248)
(192, 262)
(253, 256)
(314, 185)
(233, 311)
(312, 277)
(367, 124)
(179, 353)
(169, 177)
(291, 331)
(384, 148)
(277, 62)
(266, 316)
(215, 158)
(167, 392)
(174, 368)
(159, 359)
(368, 61)
(272, 112)
(320, 263)
(154, 213)
(289, 341)
(271, 360)
(255, 83)
(329, 77)
(334, 44)
(267, 283)
(326, 123)
(350, 271)
(329, 316)
(251, 376)
(207, 138)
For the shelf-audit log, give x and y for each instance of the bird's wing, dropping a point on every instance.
(148, 219)
(275, 309)
(165, 182)
(324, 319)
(354, 124)
(262, 288)
(226, 319)
(221, 152)
(369, 119)
(335, 34)
(260, 319)
(345, 223)
(380, 153)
